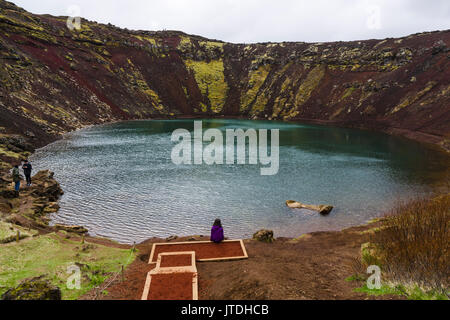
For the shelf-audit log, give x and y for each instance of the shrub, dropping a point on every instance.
(413, 246)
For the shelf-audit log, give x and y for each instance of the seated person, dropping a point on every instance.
(217, 232)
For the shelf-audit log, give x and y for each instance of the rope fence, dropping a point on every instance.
(101, 288)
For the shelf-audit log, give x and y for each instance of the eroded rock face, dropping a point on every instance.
(33, 204)
(46, 186)
(33, 289)
(103, 73)
(264, 236)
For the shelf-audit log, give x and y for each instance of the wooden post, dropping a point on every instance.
(134, 246)
(123, 276)
(82, 239)
(18, 236)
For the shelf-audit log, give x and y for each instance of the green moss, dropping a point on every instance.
(8, 232)
(136, 77)
(185, 44)
(5, 152)
(69, 57)
(372, 230)
(211, 81)
(157, 103)
(29, 29)
(369, 255)
(51, 255)
(88, 39)
(419, 294)
(347, 93)
(305, 90)
(19, 23)
(412, 98)
(185, 92)
(211, 47)
(384, 290)
(151, 40)
(356, 277)
(278, 106)
(203, 107)
(411, 293)
(309, 85)
(256, 80)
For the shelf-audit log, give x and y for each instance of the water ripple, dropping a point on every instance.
(119, 180)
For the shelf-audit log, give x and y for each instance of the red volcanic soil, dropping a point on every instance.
(179, 260)
(174, 286)
(313, 267)
(203, 250)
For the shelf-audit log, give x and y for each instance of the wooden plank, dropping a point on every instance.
(147, 287)
(240, 241)
(183, 269)
(195, 287)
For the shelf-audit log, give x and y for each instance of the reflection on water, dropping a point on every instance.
(119, 180)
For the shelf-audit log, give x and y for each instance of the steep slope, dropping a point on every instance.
(53, 80)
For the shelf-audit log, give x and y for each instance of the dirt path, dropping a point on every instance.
(313, 267)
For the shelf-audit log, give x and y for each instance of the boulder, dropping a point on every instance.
(72, 229)
(264, 236)
(322, 209)
(45, 186)
(438, 47)
(33, 289)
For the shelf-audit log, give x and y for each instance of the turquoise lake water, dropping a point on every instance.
(120, 182)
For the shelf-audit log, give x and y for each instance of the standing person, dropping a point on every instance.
(27, 168)
(16, 177)
(217, 232)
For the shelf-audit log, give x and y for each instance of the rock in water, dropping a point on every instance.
(322, 209)
(33, 289)
(264, 236)
(325, 209)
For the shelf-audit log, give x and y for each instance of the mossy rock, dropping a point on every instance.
(264, 236)
(33, 289)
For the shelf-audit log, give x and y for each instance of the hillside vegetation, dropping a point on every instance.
(53, 80)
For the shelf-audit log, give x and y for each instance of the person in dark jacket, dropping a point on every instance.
(27, 168)
(16, 178)
(217, 232)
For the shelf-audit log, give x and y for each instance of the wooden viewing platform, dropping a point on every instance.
(175, 276)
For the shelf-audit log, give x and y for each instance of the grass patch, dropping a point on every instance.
(8, 232)
(50, 255)
(384, 290)
(413, 293)
(356, 277)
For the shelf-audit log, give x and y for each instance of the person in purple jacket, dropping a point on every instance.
(217, 232)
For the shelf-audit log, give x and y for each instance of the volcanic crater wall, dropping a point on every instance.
(53, 80)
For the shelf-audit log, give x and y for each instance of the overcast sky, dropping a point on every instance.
(247, 21)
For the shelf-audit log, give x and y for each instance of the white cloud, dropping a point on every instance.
(263, 20)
